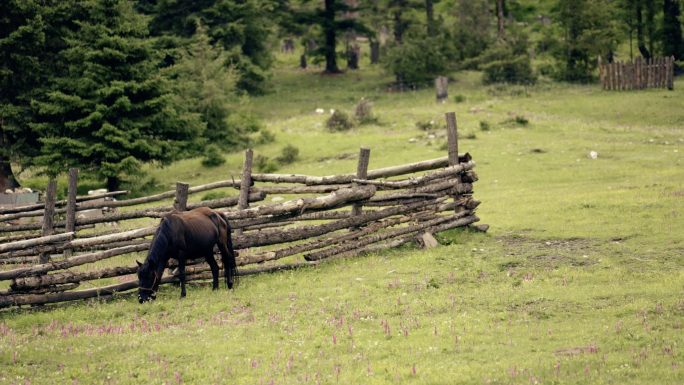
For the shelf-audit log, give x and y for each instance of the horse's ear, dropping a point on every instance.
(139, 264)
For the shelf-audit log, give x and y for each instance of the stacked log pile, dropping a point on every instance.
(357, 213)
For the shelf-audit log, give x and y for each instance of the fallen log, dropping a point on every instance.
(152, 212)
(318, 244)
(270, 237)
(372, 174)
(68, 263)
(34, 242)
(402, 239)
(406, 183)
(315, 216)
(27, 283)
(42, 290)
(298, 205)
(82, 242)
(382, 236)
(61, 203)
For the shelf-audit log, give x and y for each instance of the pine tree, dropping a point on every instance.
(112, 111)
(241, 27)
(31, 36)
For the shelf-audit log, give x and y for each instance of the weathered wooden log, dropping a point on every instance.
(42, 290)
(372, 174)
(30, 260)
(271, 237)
(268, 225)
(181, 201)
(320, 189)
(361, 173)
(84, 242)
(428, 191)
(5, 247)
(77, 260)
(382, 236)
(398, 241)
(152, 212)
(317, 244)
(48, 220)
(38, 206)
(315, 216)
(22, 284)
(469, 177)
(411, 182)
(325, 202)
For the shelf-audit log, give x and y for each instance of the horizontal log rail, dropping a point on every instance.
(37, 206)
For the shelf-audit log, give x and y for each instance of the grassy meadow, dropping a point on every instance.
(580, 278)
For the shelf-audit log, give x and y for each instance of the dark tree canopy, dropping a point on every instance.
(112, 111)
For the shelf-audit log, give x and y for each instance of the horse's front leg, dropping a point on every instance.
(214, 268)
(181, 271)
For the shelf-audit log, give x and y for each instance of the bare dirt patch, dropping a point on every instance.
(572, 351)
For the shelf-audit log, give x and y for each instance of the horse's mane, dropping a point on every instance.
(160, 244)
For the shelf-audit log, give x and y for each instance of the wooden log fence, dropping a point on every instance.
(380, 213)
(638, 75)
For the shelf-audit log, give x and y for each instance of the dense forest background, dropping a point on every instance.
(111, 85)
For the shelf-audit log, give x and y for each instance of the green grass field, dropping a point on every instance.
(580, 278)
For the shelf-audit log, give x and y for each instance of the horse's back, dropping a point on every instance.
(201, 229)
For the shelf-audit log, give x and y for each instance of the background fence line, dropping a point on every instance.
(639, 75)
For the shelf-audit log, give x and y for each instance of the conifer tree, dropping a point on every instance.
(112, 111)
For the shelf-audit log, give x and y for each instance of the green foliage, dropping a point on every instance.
(459, 98)
(427, 125)
(586, 29)
(211, 195)
(212, 157)
(419, 59)
(240, 27)
(288, 155)
(473, 31)
(484, 125)
(266, 136)
(207, 87)
(32, 34)
(339, 121)
(508, 60)
(111, 111)
(363, 112)
(265, 165)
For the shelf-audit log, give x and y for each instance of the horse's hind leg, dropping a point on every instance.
(214, 268)
(181, 271)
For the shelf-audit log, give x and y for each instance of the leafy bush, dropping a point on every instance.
(419, 59)
(427, 125)
(521, 120)
(213, 157)
(546, 69)
(459, 98)
(288, 155)
(339, 121)
(508, 60)
(484, 125)
(264, 165)
(470, 135)
(363, 112)
(265, 137)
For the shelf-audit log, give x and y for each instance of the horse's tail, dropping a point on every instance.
(225, 245)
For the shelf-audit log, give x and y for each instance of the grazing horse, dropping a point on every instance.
(187, 235)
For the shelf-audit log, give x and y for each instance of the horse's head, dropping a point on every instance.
(148, 282)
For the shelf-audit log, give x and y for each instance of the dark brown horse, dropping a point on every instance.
(187, 235)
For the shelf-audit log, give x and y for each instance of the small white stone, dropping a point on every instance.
(319, 111)
(431, 136)
(593, 155)
(277, 199)
(413, 140)
(332, 111)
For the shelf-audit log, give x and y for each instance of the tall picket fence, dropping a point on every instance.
(638, 75)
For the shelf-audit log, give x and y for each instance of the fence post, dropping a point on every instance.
(361, 173)
(603, 82)
(612, 76)
(670, 73)
(48, 219)
(442, 88)
(623, 83)
(663, 72)
(243, 199)
(181, 201)
(452, 142)
(71, 205)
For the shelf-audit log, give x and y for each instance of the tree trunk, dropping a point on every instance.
(500, 18)
(330, 38)
(7, 179)
(113, 183)
(375, 52)
(673, 44)
(640, 33)
(430, 18)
